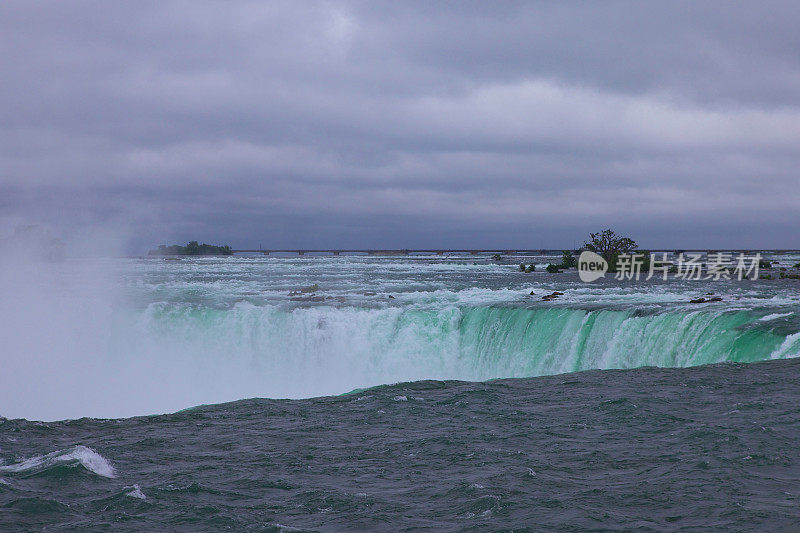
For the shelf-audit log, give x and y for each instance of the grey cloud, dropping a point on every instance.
(404, 123)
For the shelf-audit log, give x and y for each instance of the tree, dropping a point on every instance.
(192, 248)
(609, 246)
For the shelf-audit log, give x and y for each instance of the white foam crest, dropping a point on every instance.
(471, 296)
(789, 348)
(419, 280)
(143, 357)
(135, 493)
(773, 316)
(83, 455)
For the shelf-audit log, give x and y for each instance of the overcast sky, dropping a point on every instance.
(403, 124)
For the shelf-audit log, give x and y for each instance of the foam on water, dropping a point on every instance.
(773, 316)
(78, 455)
(159, 336)
(790, 347)
(136, 492)
(214, 355)
(711, 448)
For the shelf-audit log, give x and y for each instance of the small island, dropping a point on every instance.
(192, 248)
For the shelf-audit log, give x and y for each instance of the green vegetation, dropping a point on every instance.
(531, 268)
(522, 267)
(192, 248)
(610, 246)
(568, 260)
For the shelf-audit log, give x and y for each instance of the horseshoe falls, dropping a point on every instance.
(385, 393)
(127, 337)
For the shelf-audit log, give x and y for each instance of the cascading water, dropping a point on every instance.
(328, 350)
(156, 337)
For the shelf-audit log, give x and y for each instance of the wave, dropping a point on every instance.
(135, 492)
(78, 455)
(774, 316)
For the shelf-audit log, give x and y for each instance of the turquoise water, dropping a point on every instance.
(142, 336)
(378, 433)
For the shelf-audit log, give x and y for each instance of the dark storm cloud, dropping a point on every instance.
(404, 123)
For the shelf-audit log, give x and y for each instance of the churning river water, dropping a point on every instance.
(375, 393)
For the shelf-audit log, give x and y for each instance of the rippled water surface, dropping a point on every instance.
(712, 447)
(588, 436)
